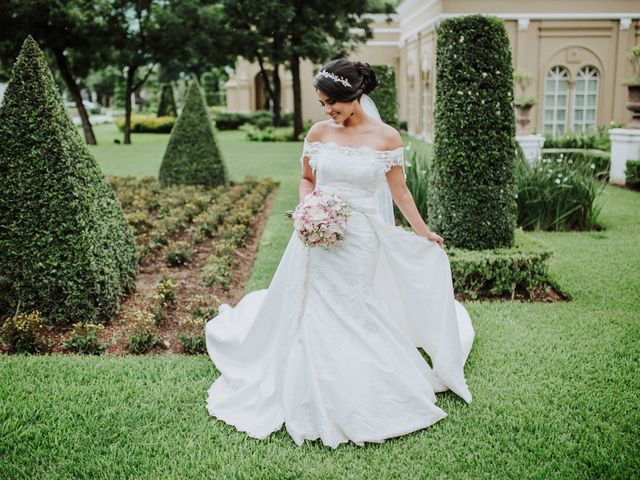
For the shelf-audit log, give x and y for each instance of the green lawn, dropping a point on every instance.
(555, 386)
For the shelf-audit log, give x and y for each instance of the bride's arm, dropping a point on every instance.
(404, 199)
(307, 182)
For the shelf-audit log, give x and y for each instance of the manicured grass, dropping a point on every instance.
(555, 385)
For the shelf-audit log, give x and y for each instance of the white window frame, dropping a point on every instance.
(557, 74)
(590, 76)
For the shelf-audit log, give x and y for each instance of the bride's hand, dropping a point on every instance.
(434, 237)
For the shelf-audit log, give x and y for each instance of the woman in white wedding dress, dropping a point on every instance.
(330, 348)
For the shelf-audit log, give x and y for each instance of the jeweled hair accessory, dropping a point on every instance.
(334, 77)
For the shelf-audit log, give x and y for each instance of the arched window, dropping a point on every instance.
(556, 100)
(585, 99)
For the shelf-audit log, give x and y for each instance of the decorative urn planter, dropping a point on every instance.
(633, 103)
(522, 117)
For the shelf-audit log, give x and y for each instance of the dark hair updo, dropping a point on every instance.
(359, 75)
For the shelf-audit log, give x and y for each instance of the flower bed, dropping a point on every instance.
(183, 234)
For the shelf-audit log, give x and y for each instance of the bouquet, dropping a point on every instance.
(320, 219)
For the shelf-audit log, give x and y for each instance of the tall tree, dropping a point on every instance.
(75, 32)
(288, 31)
(179, 35)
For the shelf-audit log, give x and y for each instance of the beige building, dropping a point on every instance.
(575, 50)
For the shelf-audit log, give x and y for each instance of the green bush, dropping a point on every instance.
(143, 335)
(472, 187)
(385, 94)
(600, 159)
(594, 139)
(192, 156)
(148, 124)
(163, 297)
(167, 107)
(269, 134)
(231, 121)
(84, 339)
(261, 119)
(179, 254)
(521, 269)
(25, 333)
(558, 193)
(192, 336)
(65, 246)
(632, 174)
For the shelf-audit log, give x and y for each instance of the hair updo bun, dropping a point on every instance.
(346, 81)
(369, 79)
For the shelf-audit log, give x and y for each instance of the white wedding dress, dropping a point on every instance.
(329, 349)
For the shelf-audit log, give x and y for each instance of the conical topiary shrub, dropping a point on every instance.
(472, 188)
(167, 105)
(65, 245)
(192, 156)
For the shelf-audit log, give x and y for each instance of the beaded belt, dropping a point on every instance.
(358, 208)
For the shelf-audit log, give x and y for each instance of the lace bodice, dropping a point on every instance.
(361, 167)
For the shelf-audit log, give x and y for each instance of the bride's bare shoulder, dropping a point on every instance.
(317, 131)
(390, 136)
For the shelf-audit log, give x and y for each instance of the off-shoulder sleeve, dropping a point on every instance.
(309, 149)
(394, 157)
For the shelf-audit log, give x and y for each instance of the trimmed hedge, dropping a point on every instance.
(385, 95)
(521, 269)
(148, 124)
(192, 156)
(66, 248)
(167, 107)
(595, 139)
(472, 186)
(632, 174)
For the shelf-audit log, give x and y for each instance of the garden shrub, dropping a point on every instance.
(85, 339)
(148, 124)
(143, 333)
(164, 296)
(472, 188)
(632, 174)
(521, 269)
(600, 159)
(558, 193)
(192, 336)
(66, 248)
(25, 333)
(179, 254)
(167, 107)
(201, 308)
(192, 156)
(385, 96)
(231, 121)
(594, 139)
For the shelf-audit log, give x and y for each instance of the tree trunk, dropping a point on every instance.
(74, 89)
(277, 93)
(297, 97)
(265, 78)
(128, 89)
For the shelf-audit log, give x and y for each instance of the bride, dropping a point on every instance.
(330, 348)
